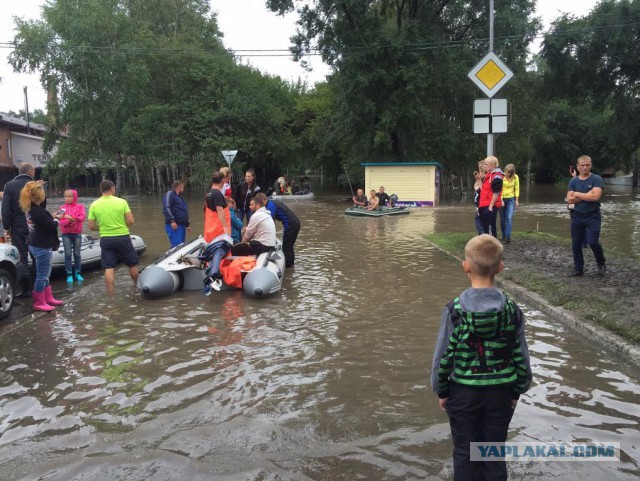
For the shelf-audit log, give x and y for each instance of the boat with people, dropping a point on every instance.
(90, 252)
(181, 268)
(379, 212)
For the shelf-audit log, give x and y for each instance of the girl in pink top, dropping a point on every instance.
(71, 227)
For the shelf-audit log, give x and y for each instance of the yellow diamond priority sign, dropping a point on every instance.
(490, 75)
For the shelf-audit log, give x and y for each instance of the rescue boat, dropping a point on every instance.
(180, 269)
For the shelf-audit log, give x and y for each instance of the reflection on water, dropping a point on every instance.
(326, 381)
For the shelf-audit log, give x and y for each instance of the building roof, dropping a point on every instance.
(395, 164)
(22, 124)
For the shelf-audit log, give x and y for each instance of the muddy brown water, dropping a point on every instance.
(326, 381)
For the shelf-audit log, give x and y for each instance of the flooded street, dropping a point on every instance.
(327, 380)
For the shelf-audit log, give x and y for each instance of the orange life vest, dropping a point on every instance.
(212, 226)
(232, 269)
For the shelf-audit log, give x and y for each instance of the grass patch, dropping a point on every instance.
(599, 307)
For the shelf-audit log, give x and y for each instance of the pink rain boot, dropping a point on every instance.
(39, 303)
(48, 297)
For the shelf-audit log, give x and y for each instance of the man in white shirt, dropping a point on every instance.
(260, 234)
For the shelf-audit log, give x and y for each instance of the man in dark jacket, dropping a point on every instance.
(176, 214)
(290, 224)
(244, 192)
(14, 222)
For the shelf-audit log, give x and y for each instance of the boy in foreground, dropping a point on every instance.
(481, 361)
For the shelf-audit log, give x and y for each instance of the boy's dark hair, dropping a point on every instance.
(483, 253)
(106, 186)
(176, 184)
(217, 178)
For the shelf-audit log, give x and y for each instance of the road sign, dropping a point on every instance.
(490, 116)
(490, 75)
(229, 155)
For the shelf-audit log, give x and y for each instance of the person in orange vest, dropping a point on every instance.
(490, 199)
(217, 219)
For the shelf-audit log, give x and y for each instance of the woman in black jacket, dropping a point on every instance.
(42, 240)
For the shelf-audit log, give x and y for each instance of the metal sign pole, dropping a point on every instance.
(490, 136)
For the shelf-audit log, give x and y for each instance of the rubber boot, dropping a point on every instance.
(39, 303)
(79, 278)
(25, 284)
(69, 278)
(48, 297)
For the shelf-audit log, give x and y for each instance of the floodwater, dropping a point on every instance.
(327, 380)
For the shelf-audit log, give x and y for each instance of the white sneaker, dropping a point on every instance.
(216, 285)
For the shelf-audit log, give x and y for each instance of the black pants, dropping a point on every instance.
(478, 414)
(251, 248)
(289, 237)
(25, 281)
(489, 218)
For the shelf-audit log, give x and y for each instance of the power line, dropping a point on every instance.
(317, 51)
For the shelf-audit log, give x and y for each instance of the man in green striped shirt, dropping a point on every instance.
(481, 361)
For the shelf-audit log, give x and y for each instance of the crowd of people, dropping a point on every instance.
(498, 191)
(34, 231)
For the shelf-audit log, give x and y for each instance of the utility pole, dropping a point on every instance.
(490, 138)
(26, 109)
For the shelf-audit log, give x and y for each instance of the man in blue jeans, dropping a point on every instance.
(176, 214)
(583, 198)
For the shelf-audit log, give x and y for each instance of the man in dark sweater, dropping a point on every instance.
(14, 222)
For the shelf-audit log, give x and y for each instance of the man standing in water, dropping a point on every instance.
(585, 191)
(112, 217)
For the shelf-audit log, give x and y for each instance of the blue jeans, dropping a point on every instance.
(586, 229)
(479, 228)
(241, 214)
(72, 244)
(506, 216)
(177, 236)
(43, 256)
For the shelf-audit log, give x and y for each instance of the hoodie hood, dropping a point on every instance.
(485, 311)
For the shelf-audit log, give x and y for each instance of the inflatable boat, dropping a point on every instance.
(294, 197)
(90, 251)
(381, 212)
(180, 269)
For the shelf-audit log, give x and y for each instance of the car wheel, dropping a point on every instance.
(6, 293)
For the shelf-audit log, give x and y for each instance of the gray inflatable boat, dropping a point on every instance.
(180, 269)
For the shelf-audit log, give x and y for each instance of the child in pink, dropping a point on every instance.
(71, 227)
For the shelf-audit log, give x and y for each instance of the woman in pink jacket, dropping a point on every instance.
(71, 222)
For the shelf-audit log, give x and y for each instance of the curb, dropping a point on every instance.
(587, 328)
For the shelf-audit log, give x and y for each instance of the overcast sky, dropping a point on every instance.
(246, 25)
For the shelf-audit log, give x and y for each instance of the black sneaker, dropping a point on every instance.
(602, 270)
(576, 274)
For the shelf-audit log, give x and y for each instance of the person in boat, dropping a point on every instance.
(15, 224)
(279, 186)
(71, 221)
(244, 192)
(383, 197)
(112, 217)
(236, 224)
(373, 200)
(43, 239)
(217, 218)
(290, 225)
(260, 234)
(176, 214)
(360, 200)
(305, 185)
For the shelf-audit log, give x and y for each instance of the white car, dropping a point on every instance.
(9, 260)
